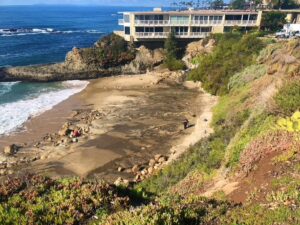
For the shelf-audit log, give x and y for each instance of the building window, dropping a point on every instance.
(181, 30)
(127, 30)
(233, 17)
(179, 19)
(201, 29)
(139, 29)
(253, 17)
(149, 17)
(126, 18)
(159, 29)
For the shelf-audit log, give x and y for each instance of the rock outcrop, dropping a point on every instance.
(282, 58)
(145, 60)
(198, 48)
(109, 56)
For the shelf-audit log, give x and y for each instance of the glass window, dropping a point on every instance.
(139, 29)
(253, 17)
(127, 30)
(126, 18)
(159, 29)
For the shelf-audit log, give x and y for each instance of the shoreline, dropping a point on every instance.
(129, 122)
(34, 129)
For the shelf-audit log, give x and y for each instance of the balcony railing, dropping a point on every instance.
(165, 34)
(152, 22)
(199, 34)
(240, 22)
(121, 22)
(206, 22)
(152, 34)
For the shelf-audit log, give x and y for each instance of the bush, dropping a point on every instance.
(288, 98)
(173, 210)
(41, 200)
(110, 51)
(249, 74)
(272, 21)
(175, 64)
(171, 48)
(233, 53)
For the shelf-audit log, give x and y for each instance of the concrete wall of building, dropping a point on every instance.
(217, 29)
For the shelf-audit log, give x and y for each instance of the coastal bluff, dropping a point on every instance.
(109, 56)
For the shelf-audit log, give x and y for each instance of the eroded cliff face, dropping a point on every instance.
(145, 60)
(198, 48)
(282, 58)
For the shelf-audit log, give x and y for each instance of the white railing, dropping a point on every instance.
(152, 22)
(208, 22)
(152, 34)
(178, 23)
(121, 21)
(240, 22)
(181, 34)
(199, 34)
(165, 34)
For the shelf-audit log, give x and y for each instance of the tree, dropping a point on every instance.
(272, 21)
(217, 4)
(284, 4)
(171, 46)
(238, 4)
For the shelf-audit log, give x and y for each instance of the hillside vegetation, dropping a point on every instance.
(255, 146)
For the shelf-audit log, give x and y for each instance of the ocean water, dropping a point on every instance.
(40, 35)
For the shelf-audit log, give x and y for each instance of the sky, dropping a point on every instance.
(89, 2)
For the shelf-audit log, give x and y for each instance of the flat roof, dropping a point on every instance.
(189, 12)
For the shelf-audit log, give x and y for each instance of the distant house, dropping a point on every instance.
(191, 24)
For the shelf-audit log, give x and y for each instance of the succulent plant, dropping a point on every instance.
(291, 124)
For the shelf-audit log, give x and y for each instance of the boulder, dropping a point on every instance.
(63, 131)
(157, 157)
(145, 59)
(150, 170)
(118, 181)
(10, 149)
(162, 159)
(135, 169)
(152, 162)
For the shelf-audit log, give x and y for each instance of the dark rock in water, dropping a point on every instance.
(110, 56)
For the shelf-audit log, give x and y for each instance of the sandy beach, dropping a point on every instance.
(125, 121)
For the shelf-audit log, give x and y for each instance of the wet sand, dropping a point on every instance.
(48, 122)
(140, 116)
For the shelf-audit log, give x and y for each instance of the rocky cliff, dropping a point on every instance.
(109, 56)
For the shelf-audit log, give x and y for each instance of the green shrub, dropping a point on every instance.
(272, 21)
(233, 53)
(249, 74)
(194, 158)
(172, 54)
(40, 200)
(110, 51)
(288, 98)
(172, 210)
(175, 64)
(258, 125)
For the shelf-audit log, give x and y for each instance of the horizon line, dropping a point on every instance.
(82, 5)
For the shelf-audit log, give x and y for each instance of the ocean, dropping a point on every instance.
(32, 35)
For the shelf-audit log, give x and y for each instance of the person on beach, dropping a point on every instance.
(186, 124)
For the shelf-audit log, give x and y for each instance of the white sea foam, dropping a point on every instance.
(35, 31)
(15, 114)
(6, 87)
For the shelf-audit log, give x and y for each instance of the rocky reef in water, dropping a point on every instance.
(109, 56)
